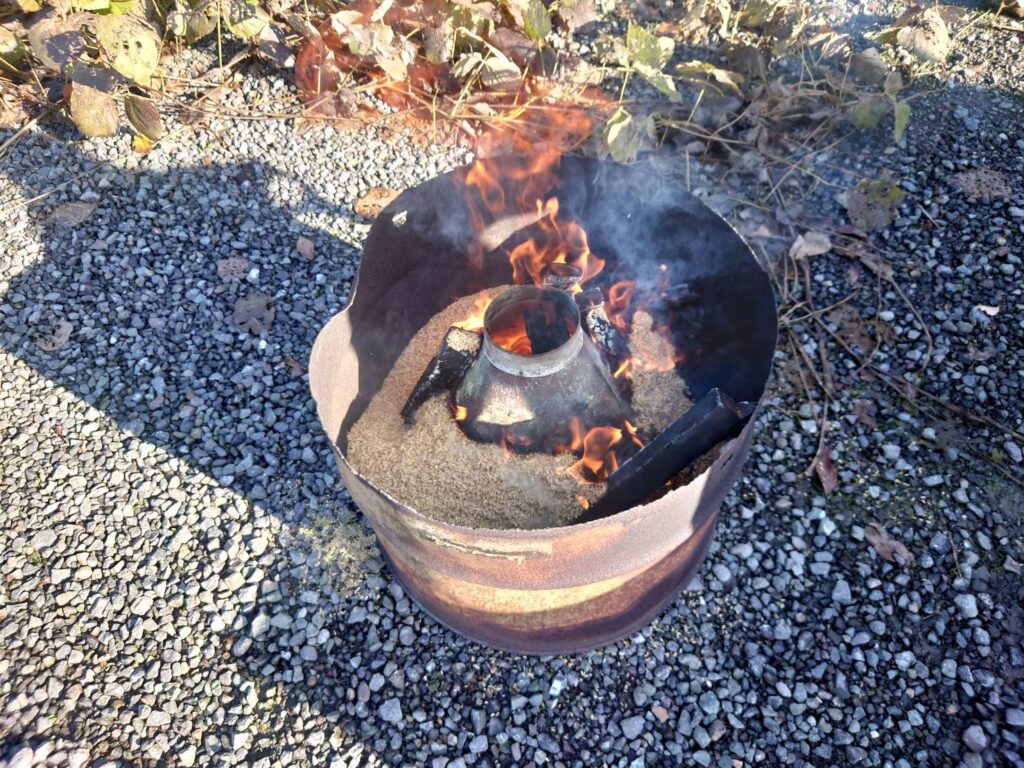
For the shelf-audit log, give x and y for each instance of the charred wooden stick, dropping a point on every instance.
(714, 418)
(545, 328)
(458, 351)
(563, 276)
(601, 329)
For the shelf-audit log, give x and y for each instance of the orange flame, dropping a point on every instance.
(461, 412)
(631, 431)
(475, 321)
(598, 460)
(625, 369)
(522, 183)
(575, 441)
(582, 501)
(620, 295)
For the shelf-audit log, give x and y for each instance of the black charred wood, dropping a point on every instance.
(545, 329)
(604, 334)
(712, 419)
(446, 370)
(562, 276)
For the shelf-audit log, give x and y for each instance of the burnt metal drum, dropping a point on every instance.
(567, 589)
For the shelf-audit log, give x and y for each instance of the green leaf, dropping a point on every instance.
(618, 137)
(706, 72)
(144, 115)
(90, 5)
(901, 112)
(132, 46)
(659, 80)
(623, 136)
(646, 50)
(199, 24)
(245, 19)
(536, 22)
(11, 49)
(869, 113)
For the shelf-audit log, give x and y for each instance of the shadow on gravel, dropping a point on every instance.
(146, 267)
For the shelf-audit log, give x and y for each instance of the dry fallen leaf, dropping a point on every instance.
(987, 310)
(57, 337)
(373, 202)
(851, 327)
(233, 267)
(295, 368)
(254, 312)
(864, 412)
(305, 247)
(72, 214)
(826, 471)
(886, 546)
(983, 182)
(810, 244)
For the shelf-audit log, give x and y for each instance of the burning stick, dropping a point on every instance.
(605, 335)
(458, 351)
(714, 418)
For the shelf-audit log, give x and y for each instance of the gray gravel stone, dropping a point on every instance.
(391, 711)
(967, 605)
(975, 738)
(632, 727)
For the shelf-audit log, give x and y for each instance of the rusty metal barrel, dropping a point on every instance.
(566, 589)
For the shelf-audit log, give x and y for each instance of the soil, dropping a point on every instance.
(433, 467)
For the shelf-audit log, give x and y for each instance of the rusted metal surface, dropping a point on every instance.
(558, 589)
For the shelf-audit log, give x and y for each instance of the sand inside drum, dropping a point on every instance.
(434, 468)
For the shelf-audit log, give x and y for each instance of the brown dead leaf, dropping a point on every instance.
(864, 411)
(233, 268)
(295, 368)
(57, 337)
(886, 546)
(851, 328)
(305, 247)
(810, 244)
(875, 263)
(826, 471)
(853, 274)
(254, 312)
(72, 214)
(373, 202)
(983, 182)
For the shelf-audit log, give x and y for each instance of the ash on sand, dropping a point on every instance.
(434, 468)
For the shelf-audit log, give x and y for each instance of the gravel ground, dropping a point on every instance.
(178, 586)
